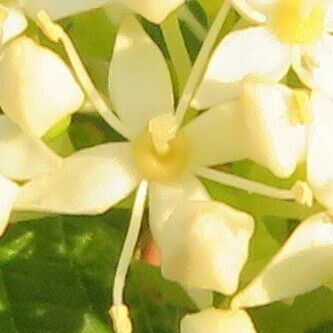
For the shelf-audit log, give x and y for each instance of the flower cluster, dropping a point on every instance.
(249, 112)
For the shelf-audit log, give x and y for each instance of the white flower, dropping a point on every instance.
(304, 263)
(161, 158)
(286, 127)
(141, 92)
(168, 157)
(291, 33)
(275, 118)
(153, 10)
(37, 88)
(21, 159)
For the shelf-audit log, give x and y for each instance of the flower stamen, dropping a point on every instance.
(162, 152)
(245, 184)
(3, 15)
(163, 129)
(303, 194)
(120, 319)
(119, 311)
(309, 62)
(299, 108)
(56, 33)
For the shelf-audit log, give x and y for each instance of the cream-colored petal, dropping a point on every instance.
(23, 157)
(12, 23)
(8, 194)
(314, 64)
(217, 321)
(204, 244)
(61, 8)
(217, 136)
(273, 140)
(320, 152)
(37, 89)
(163, 199)
(253, 10)
(90, 182)
(329, 16)
(304, 263)
(243, 52)
(153, 10)
(139, 80)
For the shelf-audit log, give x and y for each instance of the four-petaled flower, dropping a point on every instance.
(304, 263)
(204, 244)
(290, 33)
(160, 156)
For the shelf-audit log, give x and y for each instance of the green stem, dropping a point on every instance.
(177, 49)
(201, 62)
(186, 15)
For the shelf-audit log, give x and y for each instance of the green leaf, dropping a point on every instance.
(309, 313)
(56, 275)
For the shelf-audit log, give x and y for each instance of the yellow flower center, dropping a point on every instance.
(299, 108)
(298, 21)
(161, 152)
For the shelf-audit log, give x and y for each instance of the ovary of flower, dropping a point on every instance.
(162, 153)
(163, 130)
(294, 33)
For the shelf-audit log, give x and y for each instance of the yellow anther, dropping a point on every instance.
(50, 29)
(3, 14)
(163, 130)
(309, 62)
(299, 108)
(120, 319)
(298, 21)
(303, 194)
